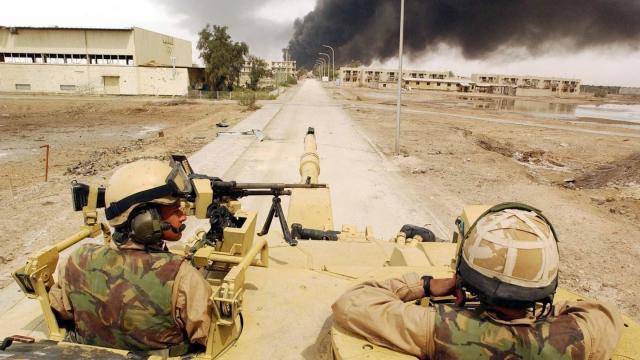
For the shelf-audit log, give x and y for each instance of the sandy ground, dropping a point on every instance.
(583, 173)
(88, 138)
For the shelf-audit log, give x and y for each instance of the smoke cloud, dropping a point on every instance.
(264, 24)
(367, 30)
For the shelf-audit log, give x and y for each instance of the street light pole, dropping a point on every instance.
(324, 64)
(319, 63)
(329, 60)
(400, 51)
(333, 60)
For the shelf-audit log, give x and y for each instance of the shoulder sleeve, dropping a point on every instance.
(191, 300)
(377, 311)
(58, 297)
(600, 322)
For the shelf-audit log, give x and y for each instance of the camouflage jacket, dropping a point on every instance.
(385, 314)
(473, 334)
(122, 298)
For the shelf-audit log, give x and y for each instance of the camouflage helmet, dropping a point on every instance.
(510, 254)
(137, 183)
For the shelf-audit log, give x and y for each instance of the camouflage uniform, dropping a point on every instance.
(128, 298)
(383, 313)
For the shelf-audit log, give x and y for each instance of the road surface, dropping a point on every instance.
(366, 188)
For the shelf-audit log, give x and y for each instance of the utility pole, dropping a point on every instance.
(329, 60)
(333, 60)
(400, 51)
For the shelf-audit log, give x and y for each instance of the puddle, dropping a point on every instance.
(545, 109)
(629, 113)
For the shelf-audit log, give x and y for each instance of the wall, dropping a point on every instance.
(629, 91)
(63, 41)
(154, 49)
(47, 78)
(533, 92)
(161, 81)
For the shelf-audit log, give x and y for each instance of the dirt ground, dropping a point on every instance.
(583, 173)
(88, 138)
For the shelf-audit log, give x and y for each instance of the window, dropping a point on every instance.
(23, 86)
(438, 84)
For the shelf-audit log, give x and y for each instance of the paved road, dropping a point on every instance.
(366, 188)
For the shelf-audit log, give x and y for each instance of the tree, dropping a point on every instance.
(257, 71)
(302, 72)
(223, 58)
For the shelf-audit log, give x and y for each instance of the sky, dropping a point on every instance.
(266, 26)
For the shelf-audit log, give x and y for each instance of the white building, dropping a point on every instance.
(129, 61)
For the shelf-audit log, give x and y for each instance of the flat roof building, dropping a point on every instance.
(516, 85)
(128, 61)
(280, 68)
(526, 85)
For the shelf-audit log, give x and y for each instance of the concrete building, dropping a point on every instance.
(414, 79)
(129, 61)
(514, 85)
(281, 69)
(526, 85)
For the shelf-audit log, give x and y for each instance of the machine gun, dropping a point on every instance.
(211, 197)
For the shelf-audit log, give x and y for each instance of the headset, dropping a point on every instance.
(146, 226)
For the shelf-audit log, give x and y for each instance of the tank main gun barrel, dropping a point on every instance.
(310, 161)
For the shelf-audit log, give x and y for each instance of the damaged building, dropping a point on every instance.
(282, 69)
(513, 85)
(118, 61)
(520, 85)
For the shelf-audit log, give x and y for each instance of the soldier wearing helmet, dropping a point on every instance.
(508, 259)
(135, 294)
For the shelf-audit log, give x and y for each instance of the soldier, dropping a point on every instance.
(509, 261)
(135, 294)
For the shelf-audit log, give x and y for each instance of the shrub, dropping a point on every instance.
(248, 99)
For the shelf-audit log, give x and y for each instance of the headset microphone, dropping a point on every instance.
(175, 230)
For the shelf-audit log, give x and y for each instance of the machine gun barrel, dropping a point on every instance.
(237, 190)
(278, 186)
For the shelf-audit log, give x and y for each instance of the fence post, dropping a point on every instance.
(46, 162)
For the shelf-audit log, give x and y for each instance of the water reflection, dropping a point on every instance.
(630, 113)
(527, 106)
(615, 112)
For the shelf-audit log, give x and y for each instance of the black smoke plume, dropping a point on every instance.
(366, 30)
